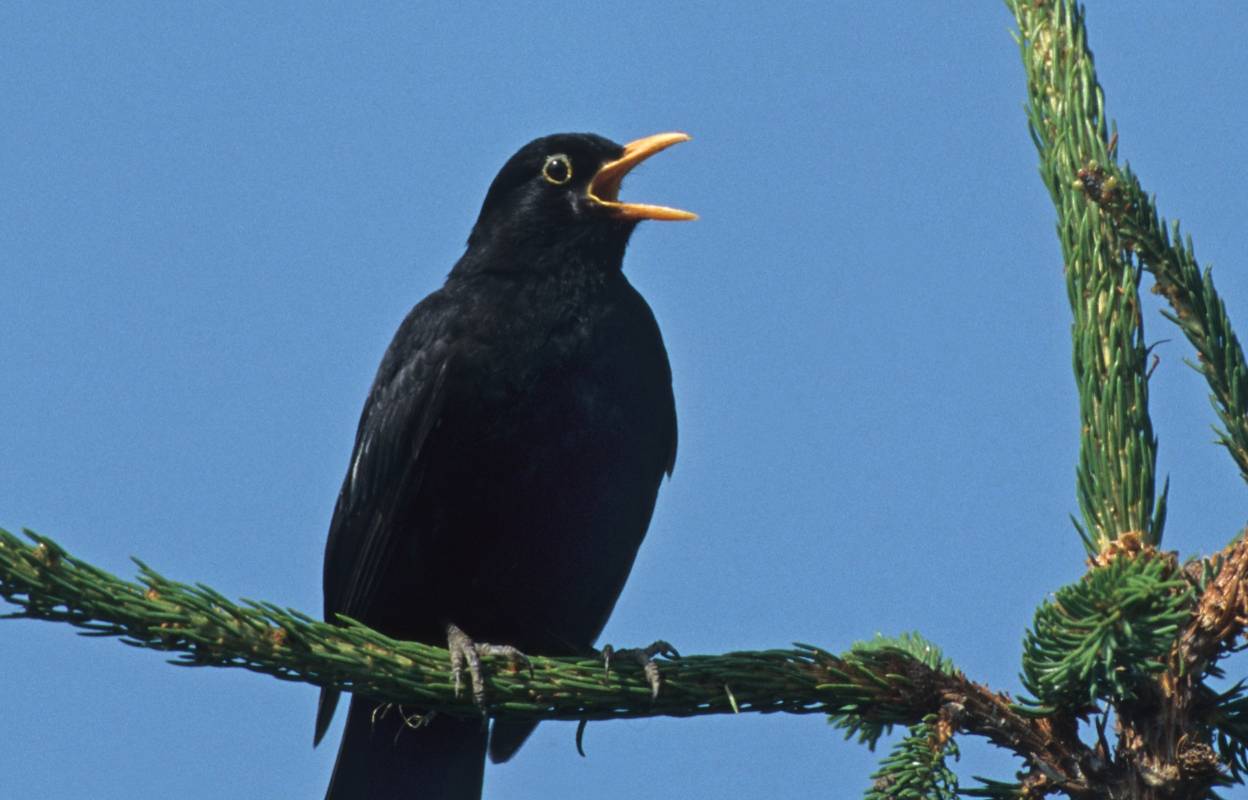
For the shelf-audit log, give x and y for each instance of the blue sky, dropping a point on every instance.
(213, 216)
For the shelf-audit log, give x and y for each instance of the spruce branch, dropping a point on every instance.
(1197, 308)
(882, 683)
(1230, 718)
(997, 790)
(1066, 116)
(1221, 614)
(916, 766)
(1107, 635)
(203, 628)
(875, 685)
(1106, 638)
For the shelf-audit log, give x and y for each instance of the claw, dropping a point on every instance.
(467, 653)
(644, 656)
(607, 652)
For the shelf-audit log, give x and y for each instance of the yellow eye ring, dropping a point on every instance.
(557, 170)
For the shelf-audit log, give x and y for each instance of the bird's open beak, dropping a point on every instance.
(604, 187)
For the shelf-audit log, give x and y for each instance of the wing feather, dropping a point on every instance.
(386, 469)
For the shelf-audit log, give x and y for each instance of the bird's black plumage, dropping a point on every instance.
(507, 459)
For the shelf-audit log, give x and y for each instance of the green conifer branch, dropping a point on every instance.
(1066, 115)
(203, 628)
(877, 684)
(916, 766)
(1231, 720)
(1137, 633)
(1198, 310)
(881, 683)
(1106, 636)
(997, 790)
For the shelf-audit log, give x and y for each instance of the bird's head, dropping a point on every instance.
(563, 191)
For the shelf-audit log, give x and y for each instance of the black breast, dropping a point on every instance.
(542, 472)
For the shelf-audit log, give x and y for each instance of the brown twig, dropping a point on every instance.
(1221, 613)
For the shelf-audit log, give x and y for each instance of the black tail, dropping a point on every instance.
(382, 757)
(506, 738)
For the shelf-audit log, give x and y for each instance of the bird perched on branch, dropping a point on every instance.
(508, 456)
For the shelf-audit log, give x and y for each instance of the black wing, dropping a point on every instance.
(386, 468)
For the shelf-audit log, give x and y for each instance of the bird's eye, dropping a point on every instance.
(557, 169)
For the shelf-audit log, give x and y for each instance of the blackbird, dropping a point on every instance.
(508, 456)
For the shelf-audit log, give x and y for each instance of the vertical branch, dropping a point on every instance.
(1117, 451)
(1165, 717)
(1198, 310)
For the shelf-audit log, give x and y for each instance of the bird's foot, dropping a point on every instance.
(645, 657)
(467, 653)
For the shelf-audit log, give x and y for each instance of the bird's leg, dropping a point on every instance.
(467, 653)
(645, 657)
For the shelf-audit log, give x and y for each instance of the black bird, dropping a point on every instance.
(508, 455)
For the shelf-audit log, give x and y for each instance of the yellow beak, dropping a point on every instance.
(604, 187)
